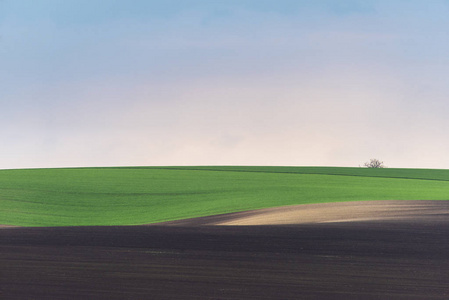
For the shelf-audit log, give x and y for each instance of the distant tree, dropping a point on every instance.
(374, 163)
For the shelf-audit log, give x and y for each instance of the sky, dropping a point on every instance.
(224, 82)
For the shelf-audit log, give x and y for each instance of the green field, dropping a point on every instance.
(140, 195)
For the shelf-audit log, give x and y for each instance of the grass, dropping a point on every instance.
(140, 195)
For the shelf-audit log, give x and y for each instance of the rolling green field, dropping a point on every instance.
(141, 195)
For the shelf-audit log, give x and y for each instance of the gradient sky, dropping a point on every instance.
(224, 82)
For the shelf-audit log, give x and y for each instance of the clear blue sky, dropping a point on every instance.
(209, 82)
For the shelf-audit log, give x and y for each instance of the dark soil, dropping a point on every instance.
(354, 260)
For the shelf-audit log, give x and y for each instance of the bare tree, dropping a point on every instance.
(374, 163)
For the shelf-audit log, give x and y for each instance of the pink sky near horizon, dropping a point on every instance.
(243, 83)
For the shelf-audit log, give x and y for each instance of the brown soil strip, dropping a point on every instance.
(7, 226)
(329, 213)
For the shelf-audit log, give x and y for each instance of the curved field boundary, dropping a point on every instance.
(416, 174)
(400, 173)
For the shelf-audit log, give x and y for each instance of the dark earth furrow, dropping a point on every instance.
(376, 259)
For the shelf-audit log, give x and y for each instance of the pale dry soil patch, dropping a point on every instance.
(357, 211)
